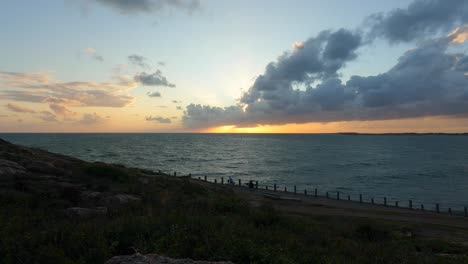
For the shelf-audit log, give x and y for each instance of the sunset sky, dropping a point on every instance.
(263, 66)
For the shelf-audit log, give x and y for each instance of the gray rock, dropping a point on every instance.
(44, 167)
(10, 168)
(119, 200)
(90, 195)
(81, 212)
(155, 259)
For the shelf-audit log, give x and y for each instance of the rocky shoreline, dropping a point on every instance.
(44, 173)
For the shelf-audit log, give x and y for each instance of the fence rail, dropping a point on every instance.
(335, 195)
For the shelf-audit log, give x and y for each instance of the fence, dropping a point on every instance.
(336, 195)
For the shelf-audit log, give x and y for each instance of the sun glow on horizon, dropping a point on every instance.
(437, 124)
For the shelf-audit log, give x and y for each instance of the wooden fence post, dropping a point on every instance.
(437, 208)
(175, 174)
(240, 182)
(274, 187)
(466, 212)
(315, 192)
(385, 201)
(372, 200)
(327, 195)
(305, 192)
(266, 187)
(295, 190)
(349, 197)
(285, 189)
(396, 203)
(422, 207)
(360, 198)
(256, 184)
(215, 181)
(205, 178)
(338, 195)
(199, 178)
(190, 175)
(450, 210)
(222, 180)
(410, 204)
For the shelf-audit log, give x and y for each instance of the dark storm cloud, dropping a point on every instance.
(154, 79)
(426, 81)
(462, 64)
(149, 6)
(138, 60)
(421, 18)
(315, 59)
(158, 119)
(304, 85)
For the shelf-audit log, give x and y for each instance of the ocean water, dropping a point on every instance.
(428, 169)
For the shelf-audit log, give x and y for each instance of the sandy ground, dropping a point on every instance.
(424, 223)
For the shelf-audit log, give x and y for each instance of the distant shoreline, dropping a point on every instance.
(194, 133)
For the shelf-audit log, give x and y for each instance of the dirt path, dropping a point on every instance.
(425, 223)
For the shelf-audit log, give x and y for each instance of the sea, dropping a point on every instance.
(426, 169)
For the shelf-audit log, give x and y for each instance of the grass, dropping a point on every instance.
(180, 219)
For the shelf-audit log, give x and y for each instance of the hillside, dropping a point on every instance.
(58, 209)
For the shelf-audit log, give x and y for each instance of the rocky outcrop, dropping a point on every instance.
(44, 167)
(120, 200)
(155, 259)
(80, 212)
(10, 168)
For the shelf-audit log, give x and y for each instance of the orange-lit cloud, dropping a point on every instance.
(91, 119)
(19, 108)
(459, 35)
(62, 111)
(298, 45)
(42, 88)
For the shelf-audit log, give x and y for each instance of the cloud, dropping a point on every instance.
(47, 116)
(138, 60)
(132, 7)
(459, 35)
(421, 19)
(179, 107)
(42, 88)
(91, 119)
(176, 102)
(94, 55)
(61, 110)
(158, 119)
(304, 85)
(318, 58)
(19, 108)
(154, 79)
(154, 94)
(426, 81)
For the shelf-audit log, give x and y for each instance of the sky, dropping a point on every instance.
(370, 66)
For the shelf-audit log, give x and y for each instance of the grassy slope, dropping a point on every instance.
(180, 218)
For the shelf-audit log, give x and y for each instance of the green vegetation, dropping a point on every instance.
(180, 218)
